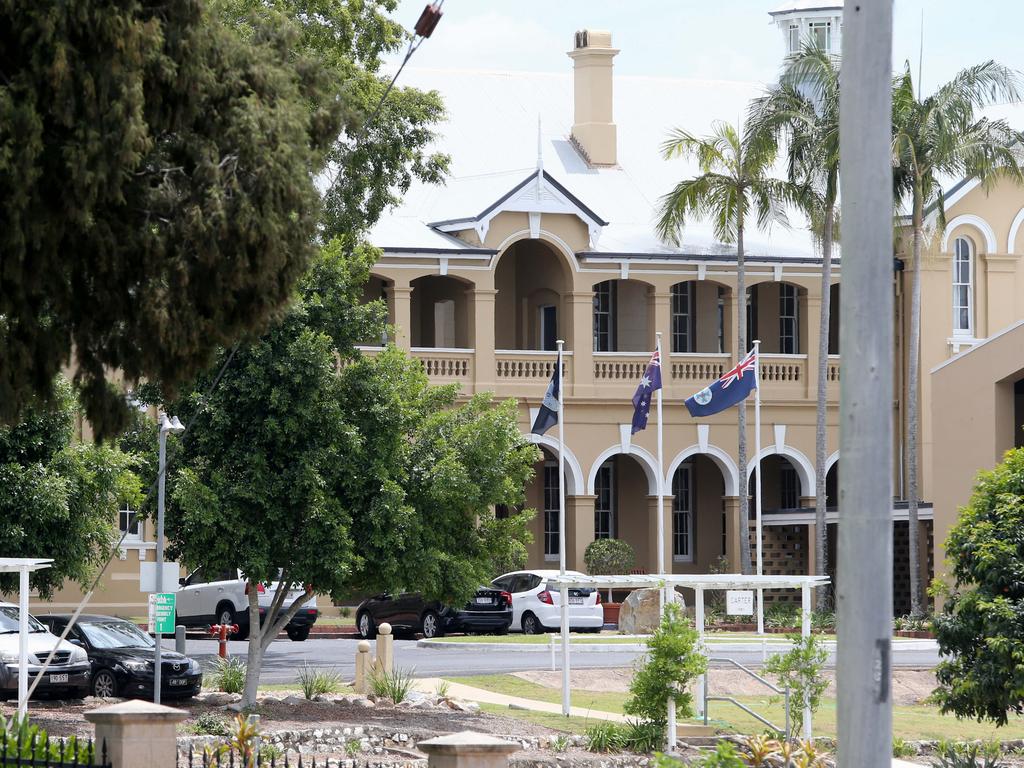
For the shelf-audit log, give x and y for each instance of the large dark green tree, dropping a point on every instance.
(156, 172)
(981, 631)
(369, 479)
(59, 498)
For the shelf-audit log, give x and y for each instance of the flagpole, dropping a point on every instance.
(757, 484)
(661, 479)
(563, 591)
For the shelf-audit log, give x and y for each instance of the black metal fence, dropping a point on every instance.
(21, 749)
(231, 757)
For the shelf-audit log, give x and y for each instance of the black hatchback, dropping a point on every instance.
(489, 610)
(121, 656)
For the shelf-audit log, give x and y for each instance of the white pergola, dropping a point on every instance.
(698, 583)
(23, 566)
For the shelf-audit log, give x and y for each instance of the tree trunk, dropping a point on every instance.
(914, 374)
(820, 521)
(254, 656)
(741, 350)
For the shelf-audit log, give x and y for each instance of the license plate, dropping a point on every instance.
(179, 681)
(59, 678)
(575, 601)
(484, 601)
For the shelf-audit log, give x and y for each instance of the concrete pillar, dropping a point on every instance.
(581, 343)
(481, 334)
(467, 750)
(660, 319)
(733, 531)
(400, 299)
(729, 322)
(652, 533)
(136, 734)
(385, 649)
(364, 663)
(579, 522)
(812, 320)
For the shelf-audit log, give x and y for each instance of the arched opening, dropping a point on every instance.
(531, 309)
(622, 506)
(963, 287)
(699, 323)
(542, 495)
(833, 319)
(781, 488)
(622, 319)
(775, 315)
(698, 517)
(832, 486)
(439, 308)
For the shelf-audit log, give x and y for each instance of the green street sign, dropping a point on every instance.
(161, 613)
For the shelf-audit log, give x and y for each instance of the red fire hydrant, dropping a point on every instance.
(221, 632)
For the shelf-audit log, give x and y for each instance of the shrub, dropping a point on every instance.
(800, 670)
(900, 748)
(609, 557)
(960, 755)
(604, 737)
(644, 736)
(782, 616)
(20, 741)
(208, 724)
(672, 662)
(823, 621)
(724, 756)
(317, 682)
(392, 685)
(228, 675)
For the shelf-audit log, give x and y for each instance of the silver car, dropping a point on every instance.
(68, 673)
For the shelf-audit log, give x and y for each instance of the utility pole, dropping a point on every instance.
(864, 588)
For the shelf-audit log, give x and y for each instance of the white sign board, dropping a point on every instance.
(739, 602)
(147, 577)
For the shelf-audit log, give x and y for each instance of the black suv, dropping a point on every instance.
(489, 610)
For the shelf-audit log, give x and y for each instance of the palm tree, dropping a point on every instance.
(934, 137)
(804, 106)
(732, 188)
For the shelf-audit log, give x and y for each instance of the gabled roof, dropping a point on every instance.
(806, 6)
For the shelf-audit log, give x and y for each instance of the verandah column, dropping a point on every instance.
(582, 344)
(579, 522)
(652, 533)
(733, 531)
(481, 334)
(400, 300)
(814, 330)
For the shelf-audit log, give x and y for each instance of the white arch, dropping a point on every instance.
(647, 462)
(803, 466)
(831, 461)
(567, 253)
(1018, 220)
(979, 224)
(574, 473)
(730, 472)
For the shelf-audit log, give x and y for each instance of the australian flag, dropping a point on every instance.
(727, 391)
(650, 382)
(547, 416)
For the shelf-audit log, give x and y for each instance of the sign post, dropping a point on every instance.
(161, 622)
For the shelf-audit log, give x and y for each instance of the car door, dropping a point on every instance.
(522, 585)
(408, 606)
(189, 599)
(507, 584)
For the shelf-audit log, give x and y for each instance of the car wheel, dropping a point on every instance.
(532, 625)
(366, 626)
(431, 625)
(104, 684)
(298, 634)
(225, 614)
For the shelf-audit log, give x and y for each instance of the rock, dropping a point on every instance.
(463, 706)
(365, 703)
(384, 701)
(639, 614)
(294, 701)
(219, 698)
(236, 706)
(271, 700)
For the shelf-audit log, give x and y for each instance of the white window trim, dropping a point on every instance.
(130, 538)
(612, 532)
(968, 332)
(548, 556)
(687, 558)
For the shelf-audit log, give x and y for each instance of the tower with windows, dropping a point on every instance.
(815, 21)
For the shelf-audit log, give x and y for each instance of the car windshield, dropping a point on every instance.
(115, 634)
(9, 621)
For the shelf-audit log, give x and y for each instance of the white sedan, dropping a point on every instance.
(537, 609)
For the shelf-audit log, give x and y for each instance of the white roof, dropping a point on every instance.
(796, 6)
(16, 564)
(492, 137)
(703, 581)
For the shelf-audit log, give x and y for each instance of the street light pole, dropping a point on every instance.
(166, 425)
(864, 588)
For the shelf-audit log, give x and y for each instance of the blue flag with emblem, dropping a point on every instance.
(650, 382)
(547, 416)
(731, 389)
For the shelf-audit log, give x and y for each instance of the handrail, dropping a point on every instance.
(748, 710)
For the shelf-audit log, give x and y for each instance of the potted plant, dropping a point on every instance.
(609, 557)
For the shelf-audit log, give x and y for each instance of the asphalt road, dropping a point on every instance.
(284, 657)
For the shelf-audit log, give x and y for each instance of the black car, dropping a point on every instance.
(489, 610)
(121, 656)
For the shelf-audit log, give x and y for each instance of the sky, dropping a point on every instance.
(723, 39)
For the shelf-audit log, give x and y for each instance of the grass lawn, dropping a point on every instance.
(547, 719)
(909, 722)
(574, 637)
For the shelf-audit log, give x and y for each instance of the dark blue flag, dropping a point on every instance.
(650, 382)
(727, 391)
(547, 416)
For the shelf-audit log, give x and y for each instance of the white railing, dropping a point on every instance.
(697, 367)
(620, 366)
(784, 368)
(529, 365)
(446, 364)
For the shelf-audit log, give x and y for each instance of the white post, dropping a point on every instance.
(671, 735)
(661, 483)
(162, 470)
(698, 619)
(864, 581)
(563, 591)
(757, 483)
(22, 642)
(805, 631)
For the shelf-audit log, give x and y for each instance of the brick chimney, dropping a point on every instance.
(593, 131)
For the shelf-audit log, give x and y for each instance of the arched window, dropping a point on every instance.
(963, 287)
(682, 514)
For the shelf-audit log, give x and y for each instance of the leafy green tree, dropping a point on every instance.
(157, 176)
(673, 661)
(365, 480)
(981, 630)
(59, 498)
(804, 107)
(800, 669)
(938, 136)
(734, 188)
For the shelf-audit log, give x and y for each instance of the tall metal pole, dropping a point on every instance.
(661, 483)
(864, 588)
(563, 591)
(160, 550)
(22, 643)
(757, 482)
